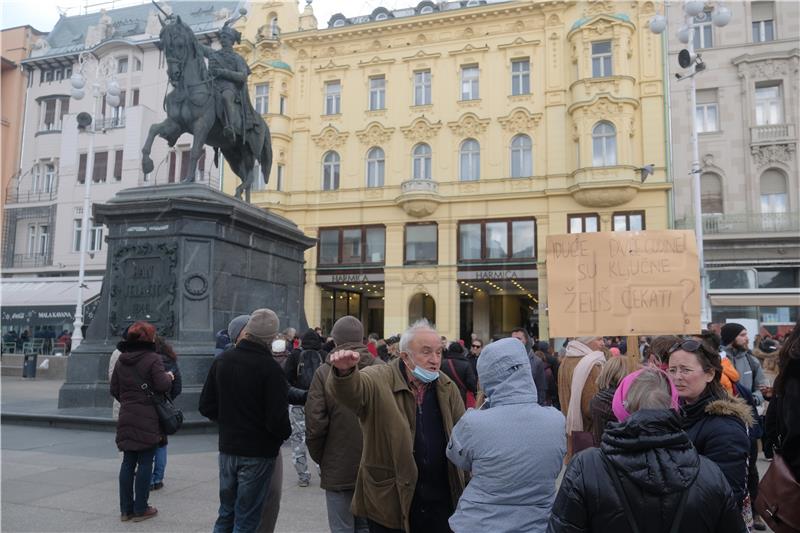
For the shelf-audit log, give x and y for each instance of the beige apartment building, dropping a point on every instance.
(432, 149)
(748, 110)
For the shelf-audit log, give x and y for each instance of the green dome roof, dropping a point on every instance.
(277, 63)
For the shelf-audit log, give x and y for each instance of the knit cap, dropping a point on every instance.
(729, 332)
(236, 325)
(262, 326)
(346, 330)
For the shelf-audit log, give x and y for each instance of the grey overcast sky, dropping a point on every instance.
(43, 14)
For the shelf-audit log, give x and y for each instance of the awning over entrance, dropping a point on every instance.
(46, 292)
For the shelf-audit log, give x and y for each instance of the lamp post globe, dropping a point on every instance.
(721, 16)
(683, 34)
(658, 24)
(693, 7)
(77, 81)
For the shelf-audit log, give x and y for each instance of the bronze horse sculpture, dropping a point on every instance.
(193, 106)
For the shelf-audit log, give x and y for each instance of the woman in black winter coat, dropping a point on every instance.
(170, 360)
(715, 421)
(646, 473)
(138, 428)
(783, 415)
(459, 369)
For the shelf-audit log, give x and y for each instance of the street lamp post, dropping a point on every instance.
(103, 83)
(688, 58)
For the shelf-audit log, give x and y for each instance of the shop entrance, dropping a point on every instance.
(363, 301)
(491, 309)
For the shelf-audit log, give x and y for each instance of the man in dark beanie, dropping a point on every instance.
(246, 394)
(735, 345)
(333, 435)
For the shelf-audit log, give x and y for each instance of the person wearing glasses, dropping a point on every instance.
(474, 352)
(715, 422)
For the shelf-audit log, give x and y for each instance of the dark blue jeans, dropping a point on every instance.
(243, 486)
(134, 481)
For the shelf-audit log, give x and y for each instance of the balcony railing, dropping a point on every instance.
(721, 224)
(419, 185)
(771, 133)
(30, 261)
(14, 196)
(111, 123)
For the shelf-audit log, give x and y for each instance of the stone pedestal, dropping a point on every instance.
(187, 259)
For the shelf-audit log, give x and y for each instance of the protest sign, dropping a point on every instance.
(623, 283)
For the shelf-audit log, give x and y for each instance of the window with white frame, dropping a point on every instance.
(628, 221)
(274, 31)
(279, 171)
(763, 21)
(262, 98)
(258, 180)
(601, 59)
(470, 160)
(469, 82)
(137, 64)
(769, 104)
(31, 239)
(282, 104)
(95, 243)
(521, 156)
(51, 113)
(706, 111)
(122, 65)
(376, 164)
(604, 145)
(330, 171)
(583, 223)
(43, 239)
(421, 162)
(773, 192)
(43, 178)
(377, 93)
(520, 76)
(422, 87)
(703, 31)
(333, 97)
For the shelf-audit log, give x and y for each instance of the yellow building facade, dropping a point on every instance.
(432, 150)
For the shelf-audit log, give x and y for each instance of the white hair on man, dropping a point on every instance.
(420, 325)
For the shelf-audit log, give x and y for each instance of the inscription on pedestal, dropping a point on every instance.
(143, 287)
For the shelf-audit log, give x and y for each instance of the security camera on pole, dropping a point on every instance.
(689, 59)
(103, 83)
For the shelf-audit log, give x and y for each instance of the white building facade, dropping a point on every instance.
(748, 110)
(43, 213)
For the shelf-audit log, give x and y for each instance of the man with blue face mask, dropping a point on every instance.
(407, 410)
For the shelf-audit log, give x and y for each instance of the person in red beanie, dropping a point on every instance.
(138, 430)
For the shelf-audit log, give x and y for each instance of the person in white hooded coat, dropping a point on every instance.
(513, 447)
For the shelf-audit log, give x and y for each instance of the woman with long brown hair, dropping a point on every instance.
(170, 360)
(783, 415)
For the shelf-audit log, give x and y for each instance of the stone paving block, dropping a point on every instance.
(29, 492)
(70, 477)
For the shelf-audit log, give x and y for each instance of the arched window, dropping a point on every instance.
(274, 31)
(330, 171)
(470, 156)
(710, 193)
(774, 198)
(521, 156)
(381, 16)
(421, 158)
(375, 167)
(604, 145)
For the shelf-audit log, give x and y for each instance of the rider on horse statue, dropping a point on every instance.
(230, 72)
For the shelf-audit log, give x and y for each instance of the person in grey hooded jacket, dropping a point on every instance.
(513, 472)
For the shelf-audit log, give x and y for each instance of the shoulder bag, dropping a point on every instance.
(170, 418)
(778, 500)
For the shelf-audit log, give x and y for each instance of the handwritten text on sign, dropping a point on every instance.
(623, 283)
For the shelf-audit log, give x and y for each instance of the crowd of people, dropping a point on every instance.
(416, 433)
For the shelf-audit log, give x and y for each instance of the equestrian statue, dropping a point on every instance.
(211, 103)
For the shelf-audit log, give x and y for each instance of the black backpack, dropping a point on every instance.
(308, 363)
